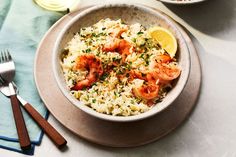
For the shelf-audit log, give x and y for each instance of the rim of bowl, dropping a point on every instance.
(182, 2)
(89, 110)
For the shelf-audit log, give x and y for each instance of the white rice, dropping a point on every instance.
(109, 96)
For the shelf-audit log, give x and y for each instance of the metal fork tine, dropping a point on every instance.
(9, 55)
(1, 80)
(5, 56)
(1, 57)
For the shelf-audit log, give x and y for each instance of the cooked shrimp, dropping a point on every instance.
(159, 59)
(116, 33)
(162, 71)
(93, 65)
(138, 74)
(112, 45)
(146, 76)
(119, 45)
(124, 49)
(163, 58)
(162, 74)
(146, 92)
(166, 73)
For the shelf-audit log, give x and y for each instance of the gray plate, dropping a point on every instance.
(103, 132)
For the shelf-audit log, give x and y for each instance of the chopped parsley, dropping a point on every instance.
(128, 66)
(132, 101)
(93, 84)
(120, 72)
(94, 35)
(115, 93)
(142, 56)
(139, 33)
(84, 88)
(104, 76)
(116, 59)
(88, 50)
(133, 39)
(147, 59)
(74, 82)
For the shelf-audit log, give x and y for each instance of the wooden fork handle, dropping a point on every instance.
(47, 127)
(20, 124)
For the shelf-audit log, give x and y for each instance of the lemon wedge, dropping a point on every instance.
(165, 39)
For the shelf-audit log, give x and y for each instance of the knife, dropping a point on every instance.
(52, 133)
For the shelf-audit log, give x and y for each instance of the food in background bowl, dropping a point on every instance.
(182, 1)
(120, 69)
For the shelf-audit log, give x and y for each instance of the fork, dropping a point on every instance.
(52, 133)
(7, 72)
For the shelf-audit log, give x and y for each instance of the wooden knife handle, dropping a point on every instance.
(52, 133)
(20, 124)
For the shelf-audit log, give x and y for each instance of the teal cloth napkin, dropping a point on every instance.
(22, 26)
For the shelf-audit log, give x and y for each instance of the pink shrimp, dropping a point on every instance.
(160, 73)
(93, 65)
(117, 32)
(163, 59)
(119, 45)
(166, 73)
(147, 91)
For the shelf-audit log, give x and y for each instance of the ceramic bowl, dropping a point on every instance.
(130, 14)
(182, 2)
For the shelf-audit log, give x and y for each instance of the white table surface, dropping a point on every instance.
(211, 129)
